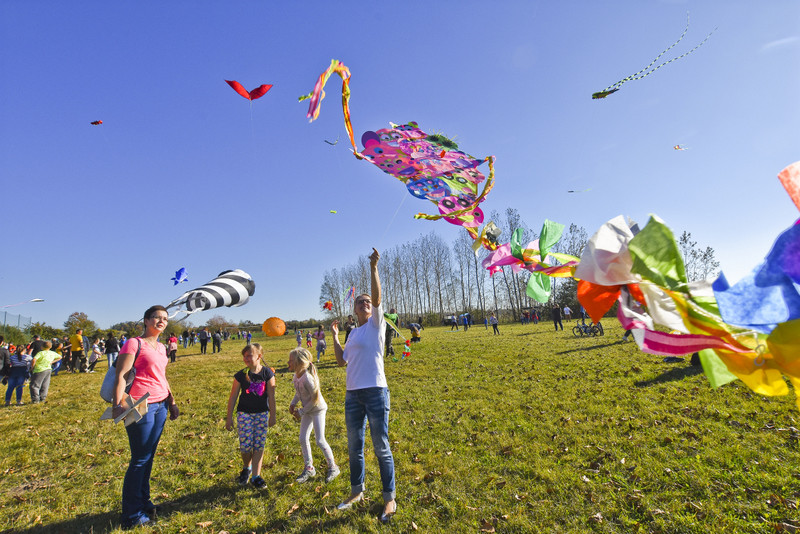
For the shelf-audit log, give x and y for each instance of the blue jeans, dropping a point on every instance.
(15, 381)
(361, 405)
(143, 438)
(112, 357)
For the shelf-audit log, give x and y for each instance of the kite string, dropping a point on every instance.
(393, 217)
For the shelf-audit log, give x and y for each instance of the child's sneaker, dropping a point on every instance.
(243, 476)
(258, 482)
(308, 473)
(333, 472)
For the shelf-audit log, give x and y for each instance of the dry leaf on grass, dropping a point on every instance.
(293, 509)
(414, 526)
(204, 524)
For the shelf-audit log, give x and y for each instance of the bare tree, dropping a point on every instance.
(700, 264)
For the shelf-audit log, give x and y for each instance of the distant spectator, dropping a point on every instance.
(319, 335)
(493, 321)
(555, 314)
(112, 349)
(20, 364)
(203, 338)
(217, 342)
(41, 368)
(36, 345)
(172, 348)
(348, 327)
(567, 313)
(95, 355)
(77, 354)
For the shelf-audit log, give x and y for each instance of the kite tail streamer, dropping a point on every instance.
(318, 94)
(634, 76)
(486, 189)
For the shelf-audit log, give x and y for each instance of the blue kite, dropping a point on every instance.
(180, 276)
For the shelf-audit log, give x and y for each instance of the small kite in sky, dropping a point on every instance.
(577, 191)
(328, 305)
(180, 276)
(332, 143)
(680, 147)
(334, 212)
(613, 88)
(256, 93)
(96, 123)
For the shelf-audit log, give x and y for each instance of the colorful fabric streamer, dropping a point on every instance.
(318, 94)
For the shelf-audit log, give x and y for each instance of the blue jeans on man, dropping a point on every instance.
(360, 406)
(143, 437)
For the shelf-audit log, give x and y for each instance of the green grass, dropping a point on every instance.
(530, 431)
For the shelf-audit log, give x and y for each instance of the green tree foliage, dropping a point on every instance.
(80, 321)
(44, 331)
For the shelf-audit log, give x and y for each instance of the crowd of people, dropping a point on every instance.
(36, 362)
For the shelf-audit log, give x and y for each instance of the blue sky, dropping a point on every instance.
(186, 173)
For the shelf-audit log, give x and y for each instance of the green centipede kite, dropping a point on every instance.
(650, 69)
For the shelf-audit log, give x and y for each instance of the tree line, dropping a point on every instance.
(429, 278)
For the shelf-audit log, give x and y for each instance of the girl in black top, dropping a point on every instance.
(254, 386)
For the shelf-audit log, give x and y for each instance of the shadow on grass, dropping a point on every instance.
(592, 347)
(222, 497)
(678, 373)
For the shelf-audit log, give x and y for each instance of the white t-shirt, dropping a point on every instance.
(364, 353)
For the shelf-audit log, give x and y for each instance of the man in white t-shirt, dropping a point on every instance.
(567, 313)
(367, 396)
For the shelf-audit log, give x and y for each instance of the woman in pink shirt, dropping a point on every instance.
(149, 358)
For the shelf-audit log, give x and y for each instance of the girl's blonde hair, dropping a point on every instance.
(304, 360)
(255, 348)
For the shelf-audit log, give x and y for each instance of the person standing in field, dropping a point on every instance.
(172, 348)
(312, 414)
(19, 365)
(149, 358)
(112, 348)
(78, 358)
(367, 397)
(567, 313)
(203, 337)
(41, 368)
(319, 335)
(555, 313)
(254, 386)
(493, 320)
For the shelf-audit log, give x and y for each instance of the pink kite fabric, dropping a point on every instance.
(790, 178)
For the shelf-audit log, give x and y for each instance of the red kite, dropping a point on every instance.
(258, 92)
(96, 123)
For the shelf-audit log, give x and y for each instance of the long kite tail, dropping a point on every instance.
(677, 58)
(635, 76)
(318, 94)
(488, 187)
(648, 70)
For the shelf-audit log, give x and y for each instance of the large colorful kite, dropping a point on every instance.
(649, 69)
(230, 288)
(431, 166)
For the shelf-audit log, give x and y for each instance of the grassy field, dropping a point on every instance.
(530, 431)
